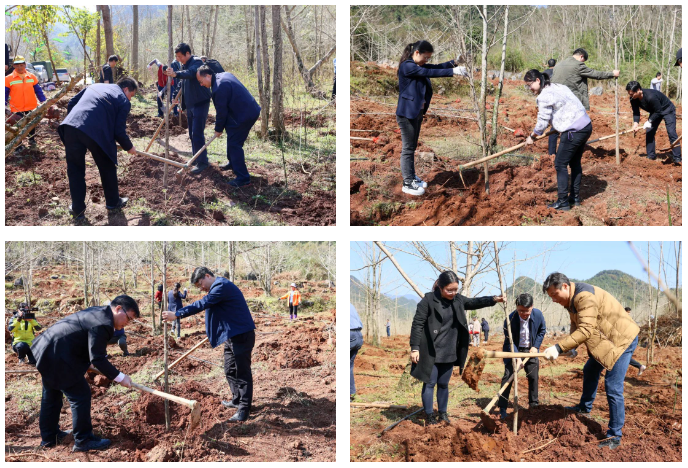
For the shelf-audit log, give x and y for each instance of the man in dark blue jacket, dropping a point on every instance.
(96, 121)
(109, 72)
(527, 330)
(237, 112)
(64, 352)
(227, 321)
(195, 99)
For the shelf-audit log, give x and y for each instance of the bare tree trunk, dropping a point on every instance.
(212, 41)
(188, 21)
(671, 49)
(98, 40)
(677, 255)
(616, 96)
(498, 93)
(50, 55)
(265, 114)
(107, 26)
(249, 46)
(168, 96)
(259, 70)
(85, 274)
(231, 264)
(152, 267)
(135, 44)
(277, 98)
(164, 303)
(398, 267)
(482, 120)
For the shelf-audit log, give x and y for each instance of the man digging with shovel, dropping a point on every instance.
(611, 336)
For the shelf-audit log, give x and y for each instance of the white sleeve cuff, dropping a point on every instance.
(120, 377)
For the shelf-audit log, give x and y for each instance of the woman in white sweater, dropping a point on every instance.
(560, 108)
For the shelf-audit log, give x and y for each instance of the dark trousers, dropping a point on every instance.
(670, 123)
(552, 143)
(177, 325)
(532, 369)
(76, 144)
(196, 117)
(334, 87)
(410, 130)
(635, 363)
(32, 133)
(355, 343)
(293, 310)
(121, 341)
(389, 331)
(238, 351)
(569, 154)
(160, 106)
(487, 333)
(440, 375)
(79, 397)
(23, 350)
(236, 137)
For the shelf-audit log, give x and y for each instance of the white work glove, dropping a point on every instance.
(459, 71)
(647, 126)
(551, 353)
(572, 353)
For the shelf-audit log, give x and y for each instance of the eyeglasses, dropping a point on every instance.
(129, 319)
(451, 291)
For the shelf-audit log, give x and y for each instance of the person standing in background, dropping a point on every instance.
(355, 344)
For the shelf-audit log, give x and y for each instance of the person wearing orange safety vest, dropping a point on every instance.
(21, 93)
(294, 298)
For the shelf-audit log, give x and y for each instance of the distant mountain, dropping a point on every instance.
(409, 297)
(405, 305)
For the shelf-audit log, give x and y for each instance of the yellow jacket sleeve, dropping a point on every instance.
(584, 326)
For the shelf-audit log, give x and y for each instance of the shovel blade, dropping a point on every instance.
(488, 422)
(195, 417)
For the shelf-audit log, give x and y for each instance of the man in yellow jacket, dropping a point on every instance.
(23, 328)
(611, 336)
(21, 93)
(294, 298)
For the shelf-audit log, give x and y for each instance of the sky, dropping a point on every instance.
(580, 260)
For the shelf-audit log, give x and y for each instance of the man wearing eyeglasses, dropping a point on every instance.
(64, 352)
(227, 320)
(573, 73)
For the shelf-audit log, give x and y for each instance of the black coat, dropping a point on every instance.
(426, 326)
(65, 351)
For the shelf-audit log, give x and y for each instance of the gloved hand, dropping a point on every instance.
(647, 126)
(572, 353)
(460, 71)
(551, 353)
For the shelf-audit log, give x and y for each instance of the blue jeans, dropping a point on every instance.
(79, 397)
(613, 385)
(236, 136)
(410, 131)
(196, 116)
(355, 343)
(440, 375)
(388, 331)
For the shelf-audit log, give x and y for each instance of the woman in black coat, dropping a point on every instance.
(439, 339)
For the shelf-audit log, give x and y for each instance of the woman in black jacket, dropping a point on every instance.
(415, 93)
(439, 339)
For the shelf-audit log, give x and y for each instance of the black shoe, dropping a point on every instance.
(229, 404)
(77, 216)
(431, 419)
(502, 413)
(611, 443)
(92, 444)
(559, 205)
(444, 417)
(576, 409)
(236, 183)
(199, 168)
(352, 397)
(533, 405)
(122, 203)
(677, 161)
(652, 159)
(226, 167)
(574, 201)
(60, 437)
(240, 415)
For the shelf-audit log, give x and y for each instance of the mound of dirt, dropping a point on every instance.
(295, 349)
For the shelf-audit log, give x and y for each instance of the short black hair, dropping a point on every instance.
(658, 74)
(633, 86)
(524, 300)
(581, 51)
(555, 279)
(627, 309)
(113, 58)
(183, 48)
(129, 83)
(551, 63)
(225, 274)
(127, 303)
(160, 287)
(205, 70)
(199, 273)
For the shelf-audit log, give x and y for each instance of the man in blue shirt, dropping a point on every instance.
(527, 330)
(227, 321)
(355, 343)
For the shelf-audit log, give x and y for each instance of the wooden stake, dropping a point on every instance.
(159, 374)
(616, 97)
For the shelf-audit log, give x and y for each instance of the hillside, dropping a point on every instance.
(405, 307)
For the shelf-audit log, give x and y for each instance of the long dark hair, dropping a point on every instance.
(421, 46)
(446, 278)
(175, 293)
(532, 75)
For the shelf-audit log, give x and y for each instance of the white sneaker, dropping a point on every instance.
(641, 370)
(421, 182)
(413, 188)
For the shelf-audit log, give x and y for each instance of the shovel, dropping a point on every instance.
(488, 422)
(190, 161)
(476, 364)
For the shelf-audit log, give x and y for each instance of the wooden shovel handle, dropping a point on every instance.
(496, 397)
(159, 374)
(182, 401)
(188, 163)
(506, 355)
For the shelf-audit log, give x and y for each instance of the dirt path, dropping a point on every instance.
(634, 193)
